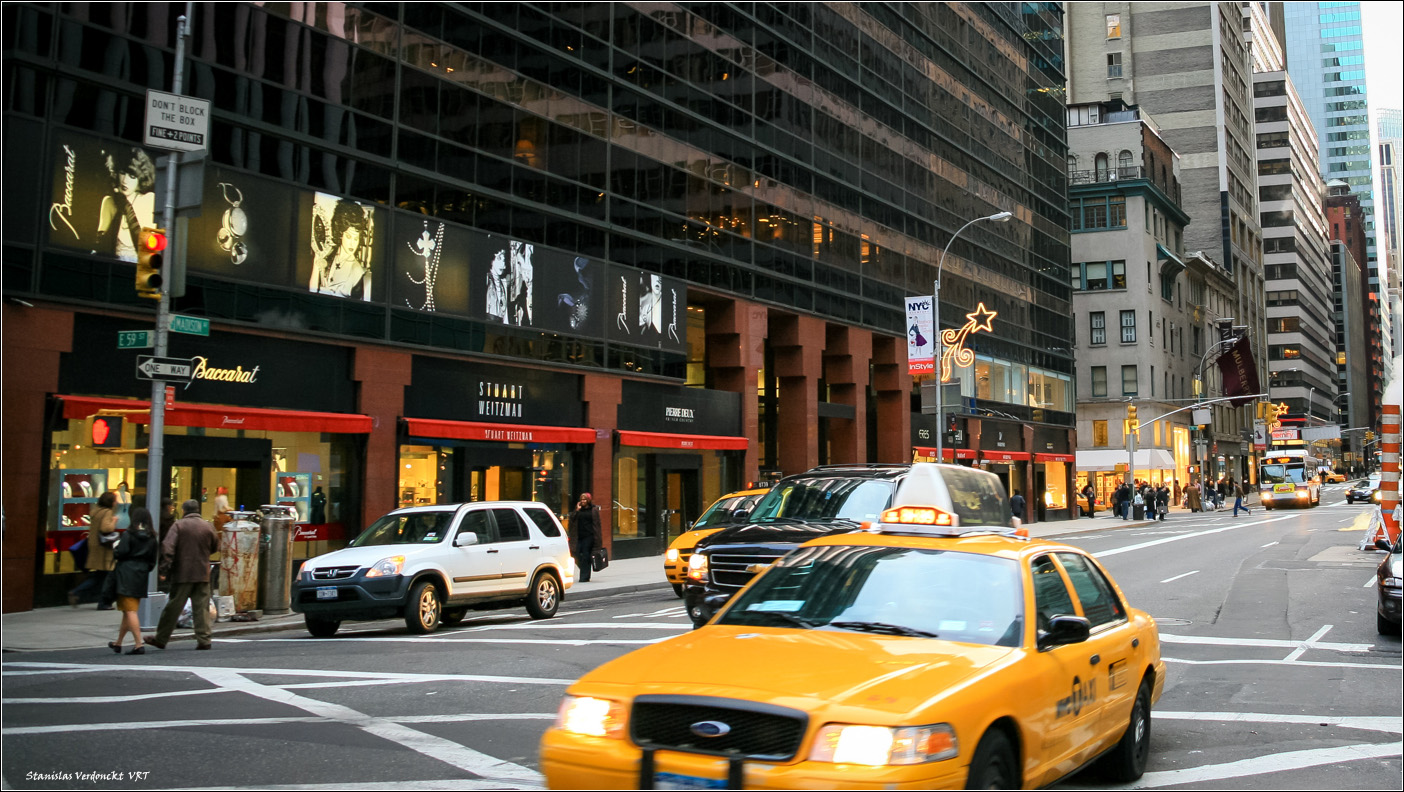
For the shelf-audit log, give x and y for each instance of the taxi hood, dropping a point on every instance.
(813, 670)
(777, 532)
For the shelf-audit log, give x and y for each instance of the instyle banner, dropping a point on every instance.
(921, 338)
(1239, 373)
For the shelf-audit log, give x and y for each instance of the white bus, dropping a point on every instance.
(1289, 477)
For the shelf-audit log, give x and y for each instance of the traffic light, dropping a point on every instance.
(1369, 437)
(150, 272)
(1132, 425)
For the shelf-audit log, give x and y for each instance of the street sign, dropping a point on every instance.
(179, 123)
(190, 325)
(150, 367)
(135, 339)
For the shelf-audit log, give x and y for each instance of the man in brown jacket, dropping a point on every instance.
(185, 564)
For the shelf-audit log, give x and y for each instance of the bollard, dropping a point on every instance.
(238, 560)
(275, 576)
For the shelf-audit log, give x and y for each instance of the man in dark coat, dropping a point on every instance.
(185, 563)
(1123, 501)
(585, 534)
(1162, 501)
(1016, 505)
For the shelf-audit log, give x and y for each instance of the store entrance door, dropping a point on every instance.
(679, 496)
(196, 467)
(500, 475)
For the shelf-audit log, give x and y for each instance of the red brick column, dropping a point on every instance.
(382, 375)
(1031, 498)
(894, 399)
(847, 353)
(602, 397)
(736, 333)
(34, 338)
(799, 358)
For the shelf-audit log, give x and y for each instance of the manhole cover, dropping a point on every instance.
(1164, 622)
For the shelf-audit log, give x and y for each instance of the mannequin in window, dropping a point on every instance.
(319, 507)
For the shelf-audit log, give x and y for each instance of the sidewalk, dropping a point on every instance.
(85, 627)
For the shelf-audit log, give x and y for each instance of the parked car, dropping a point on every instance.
(432, 564)
(719, 515)
(1366, 489)
(1387, 577)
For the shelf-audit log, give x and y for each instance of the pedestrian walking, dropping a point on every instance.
(1091, 495)
(102, 534)
(136, 555)
(185, 562)
(1178, 494)
(1016, 505)
(1123, 501)
(1162, 501)
(1238, 495)
(1192, 501)
(585, 534)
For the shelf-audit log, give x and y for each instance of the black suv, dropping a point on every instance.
(826, 500)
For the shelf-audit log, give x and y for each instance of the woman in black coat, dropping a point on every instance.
(136, 555)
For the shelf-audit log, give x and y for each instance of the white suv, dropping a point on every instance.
(431, 564)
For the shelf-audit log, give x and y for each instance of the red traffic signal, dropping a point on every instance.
(154, 241)
(151, 263)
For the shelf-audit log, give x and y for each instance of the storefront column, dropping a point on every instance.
(892, 386)
(736, 333)
(1032, 498)
(34, 338)
(847, 353)
(799, 355)
(383, 375)
(602, 396)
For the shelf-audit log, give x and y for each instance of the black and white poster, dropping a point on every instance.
(337, 254)
(431, 266)
(102, 195)
(647, 309)
(506, 270)
(245, 229)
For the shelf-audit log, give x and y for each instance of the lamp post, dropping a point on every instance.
(1200, 386)
(998, 217)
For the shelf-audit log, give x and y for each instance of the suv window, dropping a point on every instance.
(544, 521)
(476, 522)
(1099, 602)
(826, 498)
(510, 527)
(412, 528)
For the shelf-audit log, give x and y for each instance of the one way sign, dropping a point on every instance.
(150, 367)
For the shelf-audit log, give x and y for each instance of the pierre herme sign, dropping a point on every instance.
(176, 122)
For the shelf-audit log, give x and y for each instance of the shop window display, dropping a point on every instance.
(432, 474)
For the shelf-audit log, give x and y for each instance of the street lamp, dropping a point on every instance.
(998, 217)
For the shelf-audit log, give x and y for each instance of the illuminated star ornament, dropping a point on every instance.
(980, 320)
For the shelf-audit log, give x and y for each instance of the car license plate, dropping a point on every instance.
(677, 781)
(326, 592)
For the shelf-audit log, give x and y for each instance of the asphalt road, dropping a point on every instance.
(1277, 679)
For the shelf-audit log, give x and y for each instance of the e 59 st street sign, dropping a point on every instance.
(135, 339)
(150, 367)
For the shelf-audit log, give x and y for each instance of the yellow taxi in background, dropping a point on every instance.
(1333, 477)
(716, 517)
(937, 649)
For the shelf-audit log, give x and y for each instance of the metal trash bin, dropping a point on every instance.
(238, 560)
(275, 573)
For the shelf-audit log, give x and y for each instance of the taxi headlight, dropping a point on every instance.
(697, 566)
(592, 717)
(880, 745)
(1390, 582)
(672, 555)
(386, 567)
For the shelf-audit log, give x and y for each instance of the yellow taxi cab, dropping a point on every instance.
(717, 516)
(936, 649)
(1333, 477)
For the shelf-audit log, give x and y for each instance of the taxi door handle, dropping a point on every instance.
(1096, 659)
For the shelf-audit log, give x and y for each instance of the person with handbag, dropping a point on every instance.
(585, 535)
(102, 535)
(135, 554)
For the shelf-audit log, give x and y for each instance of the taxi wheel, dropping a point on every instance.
(678, 590)
(993, 766)
(1127, 761)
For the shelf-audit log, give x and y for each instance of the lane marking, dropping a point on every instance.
(1177, 577)
(589, 626)
(545, 641)
(1385, 723)
(1272, 763)
(181, 724)
(446, 751)
(1168, 539)
(1308, 643)
(1371, 582)
(1294, 663)
(1273, 643)
(372, 786)
(295, 672)
(110, 699)
(1269, 544)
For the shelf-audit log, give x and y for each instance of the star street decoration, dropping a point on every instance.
(953, 341)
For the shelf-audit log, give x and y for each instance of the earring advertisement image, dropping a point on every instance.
(337, 251)
(244, 229)
(102, 195)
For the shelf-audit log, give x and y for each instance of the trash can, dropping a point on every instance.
(238, 560)
(275, 579)
(1138, 512)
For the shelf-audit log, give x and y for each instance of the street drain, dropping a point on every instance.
(1161, 621)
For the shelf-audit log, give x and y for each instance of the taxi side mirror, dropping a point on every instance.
(1383, 544)
(1064, 630)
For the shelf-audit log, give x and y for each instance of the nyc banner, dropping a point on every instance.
(921, 337)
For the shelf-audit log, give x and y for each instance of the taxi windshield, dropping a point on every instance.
(721, 511)
(922, 593)
(835, 498)
(1281, 474)
(427, 527)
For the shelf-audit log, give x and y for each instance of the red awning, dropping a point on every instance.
(1054, 458)
(216, 416)
(686, 441)
(950, 453)
(502, 433)
(1006, 456)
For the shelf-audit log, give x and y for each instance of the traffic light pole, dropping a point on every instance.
(155, 483)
